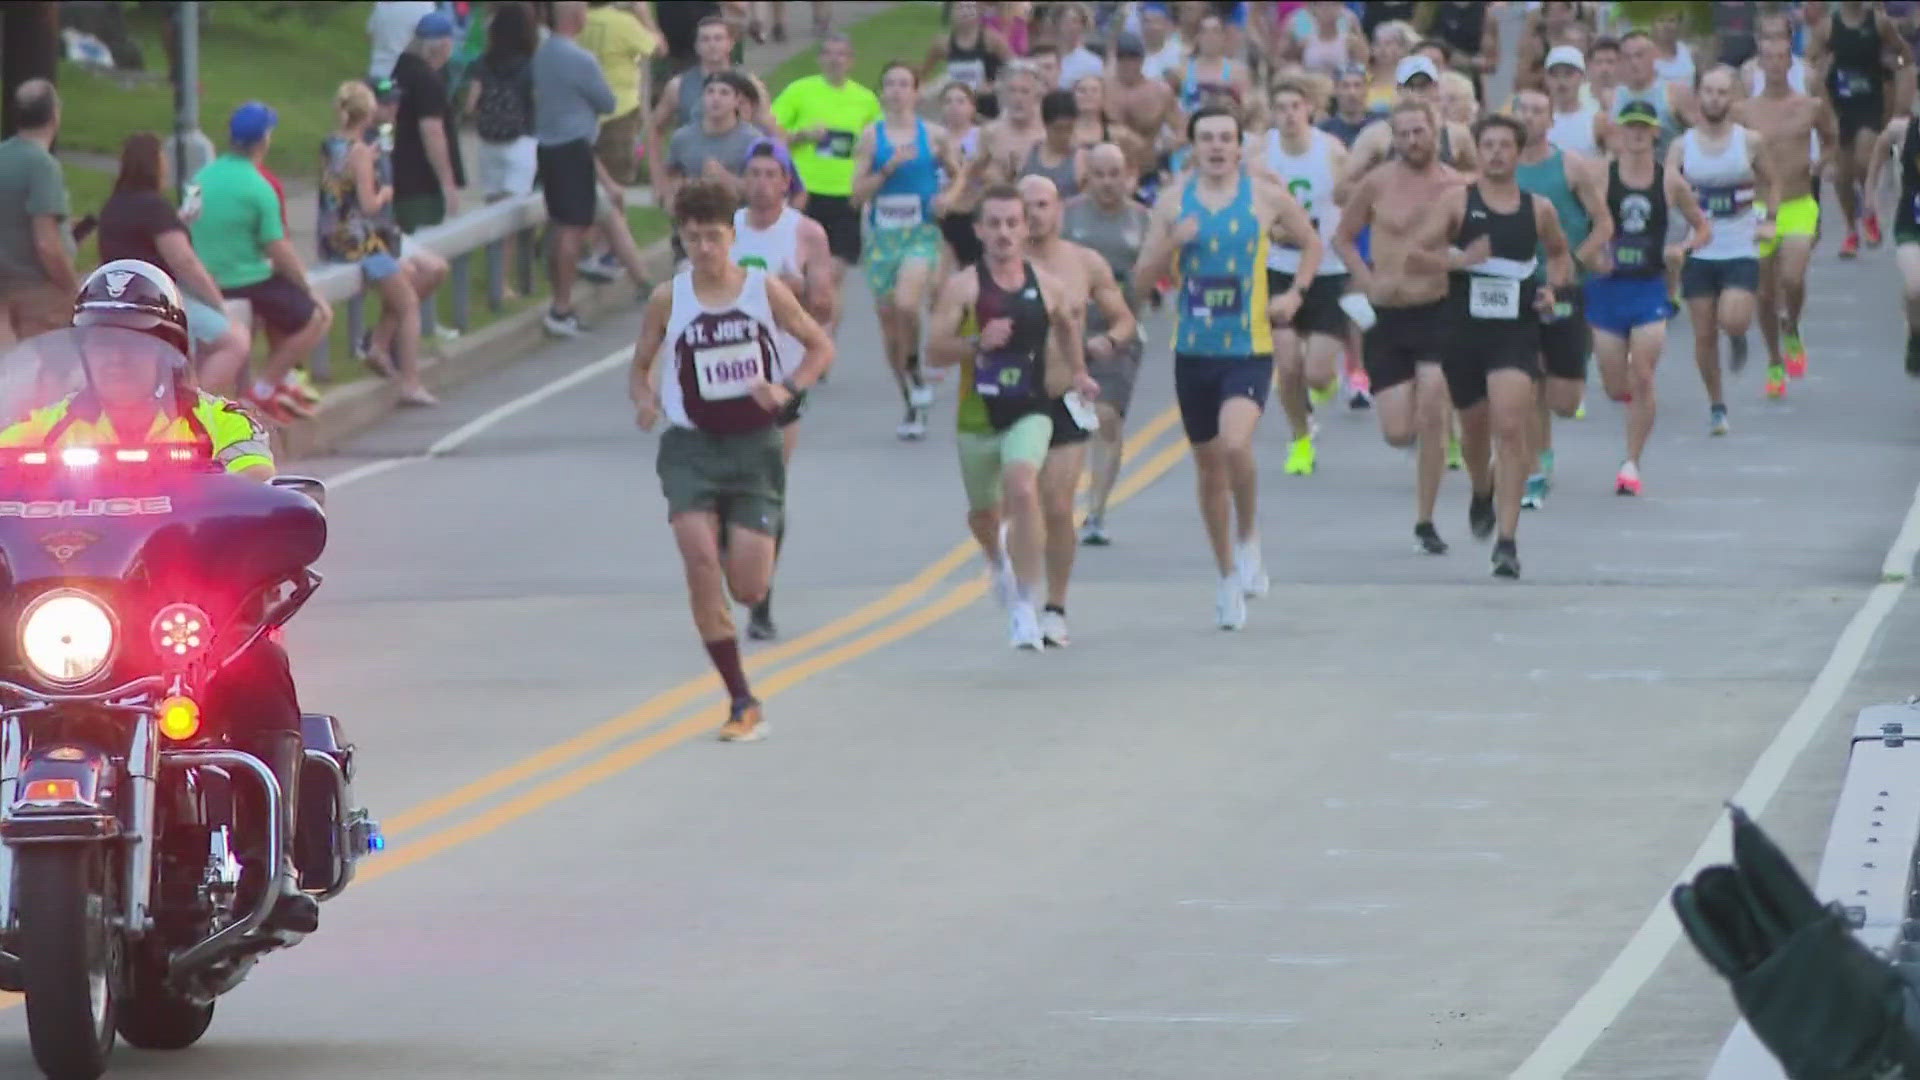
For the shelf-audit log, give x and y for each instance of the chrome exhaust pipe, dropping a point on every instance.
(188, 961)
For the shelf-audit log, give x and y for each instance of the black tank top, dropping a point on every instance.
(1497, 294)
(1733, 26)
(1011, 380)
(976, 67)
(1461, 26)
(1907, 214)
(1856, 74)
(1639, 224)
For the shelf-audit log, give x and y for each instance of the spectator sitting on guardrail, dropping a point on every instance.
(569, 96)
(241, 236)
(500, 100)
(424, 266)
(427, 170)
(37, 282)
(356, 225)
(139, 222)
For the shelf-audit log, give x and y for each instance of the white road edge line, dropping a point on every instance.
(465, 433)
(1608, 997)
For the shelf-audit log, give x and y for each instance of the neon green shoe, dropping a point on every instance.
(1455, 460)
(1300, 457)
(1320, 396)
(1581, 412)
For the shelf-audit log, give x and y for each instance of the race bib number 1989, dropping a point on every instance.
(728, 371)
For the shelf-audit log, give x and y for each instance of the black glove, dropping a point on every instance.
(1820, 1001)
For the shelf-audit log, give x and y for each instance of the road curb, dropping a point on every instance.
(351, 408)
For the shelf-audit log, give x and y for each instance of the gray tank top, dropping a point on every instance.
(1061, 174)
(1117, 236)
(693, 87)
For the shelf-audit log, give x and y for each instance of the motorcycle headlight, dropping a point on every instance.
(66, 637)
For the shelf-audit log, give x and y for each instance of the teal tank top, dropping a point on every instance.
(1223, 275)
(1548, 179)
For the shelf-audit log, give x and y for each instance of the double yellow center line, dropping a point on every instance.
(839, 642)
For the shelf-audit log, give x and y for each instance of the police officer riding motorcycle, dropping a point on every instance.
(132, 500)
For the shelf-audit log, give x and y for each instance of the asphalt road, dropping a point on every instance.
(1394, 828)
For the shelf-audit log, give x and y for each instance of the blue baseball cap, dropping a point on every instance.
(433, 26)
(794, 186)
(251, 122)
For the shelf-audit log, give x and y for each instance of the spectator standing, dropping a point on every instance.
(825, 115)
(242, 238)
(500, 99)
(37, 281)
(139, 222)
(427, 171)
(356, 225)
(391, 26)
(569, 96)
(618, 41)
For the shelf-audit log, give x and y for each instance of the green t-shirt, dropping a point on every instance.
(845, 111)
(239, 217)
(31, 186)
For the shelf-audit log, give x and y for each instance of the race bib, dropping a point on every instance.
(1633, 253)
(752, 261)
(969, 73)
(1724, 202)
(724, 372)
(1003, 373)
(896, 211)
(1214, 297)
(836, 144)
(1851, 84)
(1493, 297)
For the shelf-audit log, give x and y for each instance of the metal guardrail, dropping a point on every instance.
(1869, 862)
(480, 233)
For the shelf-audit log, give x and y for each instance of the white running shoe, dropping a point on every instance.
(1230, 603)
(1005, 588)
(914, 427)
(920, 397)
(1252, 568)
(1024, 627)
(1053, 629)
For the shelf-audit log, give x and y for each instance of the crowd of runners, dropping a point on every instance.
(1335, 219)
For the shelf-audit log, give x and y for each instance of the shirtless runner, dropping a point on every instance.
(1411, 323)
(1088, 287)
(1147, 107)
(1784, 118)
(1378, 144)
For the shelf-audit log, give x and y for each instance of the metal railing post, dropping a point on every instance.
(462, 284)
(496, 275)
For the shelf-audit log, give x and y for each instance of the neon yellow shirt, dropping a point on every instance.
(239, 442)
(844, 111)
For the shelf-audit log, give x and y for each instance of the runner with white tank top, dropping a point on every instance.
(1307, 351)
(1719, 279)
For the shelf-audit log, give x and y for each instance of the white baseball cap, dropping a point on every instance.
(1568, 55)
(1414, 65)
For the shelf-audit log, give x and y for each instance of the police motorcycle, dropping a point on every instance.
(131, 577)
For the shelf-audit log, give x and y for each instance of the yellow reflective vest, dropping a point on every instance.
(238, 441)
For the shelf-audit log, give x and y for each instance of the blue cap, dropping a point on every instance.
(780, 154)
(251, 122)
(433, 26)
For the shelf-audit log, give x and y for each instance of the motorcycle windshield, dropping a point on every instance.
(106, 476)
(117, 371)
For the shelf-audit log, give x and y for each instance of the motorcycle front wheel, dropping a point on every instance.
(70, 957)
